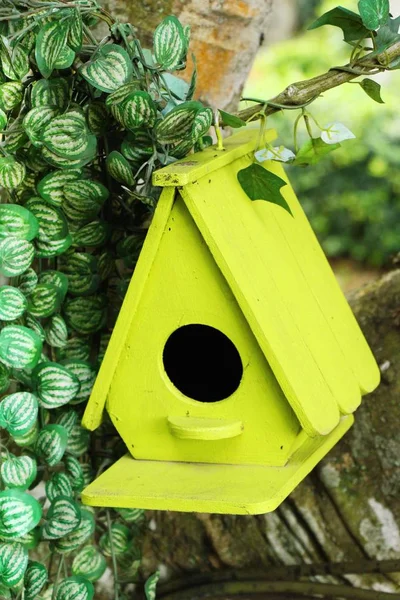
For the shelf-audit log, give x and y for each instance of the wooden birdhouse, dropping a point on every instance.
(236, 363)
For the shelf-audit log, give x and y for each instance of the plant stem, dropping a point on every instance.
(114, 560)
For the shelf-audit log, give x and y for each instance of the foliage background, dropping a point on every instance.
(353, 196)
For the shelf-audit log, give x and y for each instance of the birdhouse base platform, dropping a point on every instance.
(209, 488)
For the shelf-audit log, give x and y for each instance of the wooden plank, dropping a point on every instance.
(201, 164)
(94, 410)
(223, 489)
(263, 273)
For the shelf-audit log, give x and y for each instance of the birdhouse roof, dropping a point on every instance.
(279, 276)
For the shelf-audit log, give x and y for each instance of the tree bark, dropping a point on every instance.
(346, 510)
(226, 35)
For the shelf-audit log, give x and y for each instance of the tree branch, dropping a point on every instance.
(303, 92)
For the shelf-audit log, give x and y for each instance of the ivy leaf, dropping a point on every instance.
(374, 13)
(89, 563)
(231, 120)
(110, 68)
(313, 151)
(260, 184)
(50, 42)
(170, 44)
(19, 514)
(279, 153)
(334, 133)
(349, 22)
(34, 580)
(373, 89)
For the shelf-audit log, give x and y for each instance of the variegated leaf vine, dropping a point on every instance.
(84, 122)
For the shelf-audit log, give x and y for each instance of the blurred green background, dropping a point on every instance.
(352, 197)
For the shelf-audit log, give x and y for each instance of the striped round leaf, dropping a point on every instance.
(89, 563)
(54, 248)
(35, 579)
(15, 64)
(51, 443)
(139, 110)
(86, 376)
(27, 281)
(68, 136)
(18, 471)
(53, 225)
(36, 326)
(137, 147)
(12, 303)
(58, 485)
(119, 168)
(132, 515)
(84, 199)
(65, 59)
(51, 92)
(20, 347)
(13, 561)
(3, 120)
(55, 385)
(10, 95)
(119, 537)
(92, 234)
(202, 123)
(78, 441)
(110, 68)
(170, 44)
(88, 474)
(29, 438)
(106, 265)
(16, 137)
(18, 412)
(178, 123)
(56, 278)
(51, 187)
(75, 588)
(4, 378)
(81, 270)
(150, 586)
(19, 514)
(75, 31)
(44, 301)
(31, 539)
(61, 162)
(36, 120)
(33, 158)
(79, 536)
(12, 173)
(85, 314)
(68, 419)
(63, 516)
(129, 563)
(16, 256)
(97, 118)
(118, 97)
(74, 471)
(51, 40)
(76, 348)
(56, 332)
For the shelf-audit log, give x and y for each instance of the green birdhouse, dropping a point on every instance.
(236, 363)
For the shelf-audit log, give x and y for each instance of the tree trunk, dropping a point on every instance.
(346, 510)
(226, 35)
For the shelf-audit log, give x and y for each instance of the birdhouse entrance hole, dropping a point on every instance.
(202, 363)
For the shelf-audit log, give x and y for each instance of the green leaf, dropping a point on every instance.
(349, 22)
(29, 438)
(178, 123)
(51, 443)
(18, 471)
(260, 184)
(65, 58)
(68, 419)
(19, 514)
(20, 348)
(27, 281)
(51, 187)
(79, 536)
(83, 200)
(12, 303)
(4, 378)
(74, 470)
(50, 42)
(56, 332)
(16, 63)
(150, 586)
(11, 94)
(86, 376)
(138, 111)
(3, 120)
(75, 33)
(92, 235)
(16, 137)
(36, 120)
(51, 92)
(110, 68)
(132, 515)
(15, 256)
(85, 315)
(12, 173)
(35, 579)
(384, 38)
(98, 118)
(68, 137)
(63, 516)
(118, 538)
(75, 588)
(89, 563)
(44, 301)
(58, 485)
(202, 123)
(313, 151)
(18, 412)
(170, 44)
(78, 441)
(54, 248)
(137, 147)
(13, 561)
(54, 384)
(374, 13)
(82, 272)
(56, 278)
(231, 120)
(76, 348)
(119, 168)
